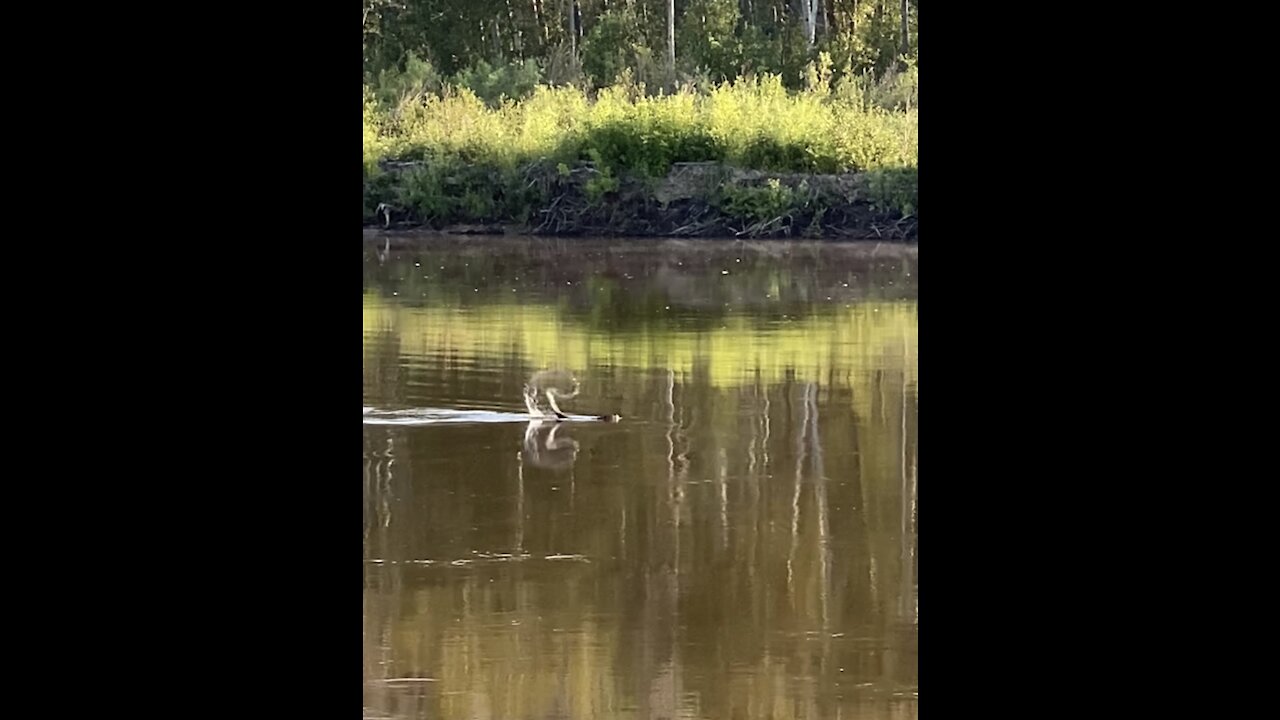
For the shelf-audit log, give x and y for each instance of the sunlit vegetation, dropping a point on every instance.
(448, 156)
(753, 123)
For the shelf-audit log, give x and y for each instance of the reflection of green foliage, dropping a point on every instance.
(648, 291)
(767, 513)
(731, 352)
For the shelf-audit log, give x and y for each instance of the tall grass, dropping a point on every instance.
(485, 158)
(754, 123)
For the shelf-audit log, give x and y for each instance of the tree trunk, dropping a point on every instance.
(671, 38)
(573, 30)
(808, 12)
(810, 20)
(906, 45)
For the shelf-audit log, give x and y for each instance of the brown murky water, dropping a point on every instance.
(741, 545)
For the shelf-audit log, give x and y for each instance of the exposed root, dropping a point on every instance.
(695, 200)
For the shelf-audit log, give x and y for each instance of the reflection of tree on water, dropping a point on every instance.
(619, 288)
(379, 654)
(760, 516)
(693, 521)
(384, 382)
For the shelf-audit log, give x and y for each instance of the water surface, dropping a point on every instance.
(741, 545)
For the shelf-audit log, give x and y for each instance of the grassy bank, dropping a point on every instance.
(746, 157)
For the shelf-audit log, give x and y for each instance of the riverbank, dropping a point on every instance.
(746, 158)
(705, 199)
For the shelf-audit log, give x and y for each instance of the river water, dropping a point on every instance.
(741, 544)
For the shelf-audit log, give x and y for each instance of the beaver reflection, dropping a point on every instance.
(544, 449)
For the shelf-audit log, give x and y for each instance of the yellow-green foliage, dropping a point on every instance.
(812, 349)
(377, 143)
(542, 121)
(753, 123)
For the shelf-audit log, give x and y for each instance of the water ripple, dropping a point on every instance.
(436, 416)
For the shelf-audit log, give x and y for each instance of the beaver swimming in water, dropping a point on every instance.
(555, 385)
